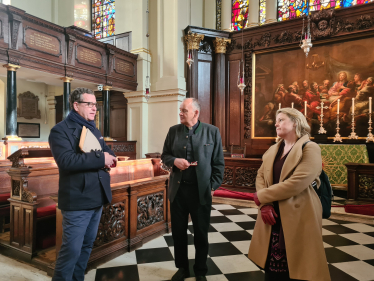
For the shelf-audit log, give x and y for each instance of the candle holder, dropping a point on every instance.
(353, 135)
(337, 135)
(321, 129)
(370, 135)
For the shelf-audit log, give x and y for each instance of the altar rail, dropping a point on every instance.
(241, 173)
(360, 182)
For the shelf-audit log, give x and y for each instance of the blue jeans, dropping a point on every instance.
(79, 233)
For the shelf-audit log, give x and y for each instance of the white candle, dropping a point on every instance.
(353, 105)
(338, 106)
(292, 104)
(370, 104)
(279, 106)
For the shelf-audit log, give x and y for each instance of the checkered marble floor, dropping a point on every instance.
(349, 249)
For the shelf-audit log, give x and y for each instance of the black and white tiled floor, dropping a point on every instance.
(349, 250)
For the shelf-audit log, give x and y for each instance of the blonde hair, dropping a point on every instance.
(302, 127)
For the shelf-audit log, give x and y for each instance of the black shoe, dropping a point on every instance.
(201, 278)
(181, 274)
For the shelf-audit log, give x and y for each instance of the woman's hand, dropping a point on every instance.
(267, 214)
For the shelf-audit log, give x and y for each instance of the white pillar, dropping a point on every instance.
(137, 121)
(163, 112)
(226, 15)
(253, 13)
(51, 103)
(271, 11)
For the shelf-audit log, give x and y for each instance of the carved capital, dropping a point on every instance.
(220, 45)
(107, 88)
(11, 67)
(67, 79)
(193, 40)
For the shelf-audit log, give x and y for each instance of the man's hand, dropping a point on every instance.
(181, 164)
(109, 159)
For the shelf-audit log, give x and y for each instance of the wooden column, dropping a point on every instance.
(67, 92)
(106, 99)
(11, 103)
(193, 43)
(219, 104)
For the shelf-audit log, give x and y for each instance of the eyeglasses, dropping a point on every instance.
(89, 104)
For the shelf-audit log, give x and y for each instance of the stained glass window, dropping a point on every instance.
(103, 18)
(239, 16)
(81, 14)
(262, 11)
(290, 9)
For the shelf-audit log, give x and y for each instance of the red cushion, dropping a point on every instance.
(4, 197)
(5, 211)
(46, 211)
(222, 192)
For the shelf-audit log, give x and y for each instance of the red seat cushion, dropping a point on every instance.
(46, 211)
(4, 197)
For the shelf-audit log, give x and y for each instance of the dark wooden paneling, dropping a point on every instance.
(234, 105)
(118, 116)
(59, 108)
(205, 87)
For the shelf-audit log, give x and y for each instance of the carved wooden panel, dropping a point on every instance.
(123, 148)
(89, 56)
(150, 209)
(124, 67)
(28, 106)
(228, 176)
(366, 187)
(42, 42)
(112, 223)
(16, 187)
(245, 176)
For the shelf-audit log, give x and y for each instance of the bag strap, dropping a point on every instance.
(304, 144)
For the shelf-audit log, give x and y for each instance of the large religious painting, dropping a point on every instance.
(290, 9)
(103, 18)
(334, 74)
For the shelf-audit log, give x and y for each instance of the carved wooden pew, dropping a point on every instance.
(34, 178)
(4, 195)
(360, 183)
(241, 173)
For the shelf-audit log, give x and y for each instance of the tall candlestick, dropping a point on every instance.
(353, 105)
(305, 108)
(338, 106)
(292, 104)
(370, 105)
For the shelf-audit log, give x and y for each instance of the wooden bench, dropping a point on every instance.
(138, 212)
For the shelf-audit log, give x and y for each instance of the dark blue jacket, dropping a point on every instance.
(83, 185)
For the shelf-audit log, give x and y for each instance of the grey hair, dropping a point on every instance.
(76, 95)
(195, 103)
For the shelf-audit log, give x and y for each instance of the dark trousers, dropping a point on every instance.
(79, 233)
(187, 202)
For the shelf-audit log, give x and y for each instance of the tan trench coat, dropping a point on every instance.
(300, 209)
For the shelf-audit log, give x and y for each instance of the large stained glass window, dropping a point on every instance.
(103, 18)
(239, 14)
(82, 14)
(290, 9)
(262, 11)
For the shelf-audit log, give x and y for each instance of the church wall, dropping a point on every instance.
(39, 8)
(39, 89)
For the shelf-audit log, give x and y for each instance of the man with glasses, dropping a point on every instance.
(84, 185)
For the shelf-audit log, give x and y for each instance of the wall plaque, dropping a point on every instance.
(124, 67)
(28, 130)
(42, 42)
(89, 57)
(28, 106)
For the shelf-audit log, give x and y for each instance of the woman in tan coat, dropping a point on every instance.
(287, 239)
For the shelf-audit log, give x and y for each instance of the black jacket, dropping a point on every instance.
(83, 185)
(207, 148)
